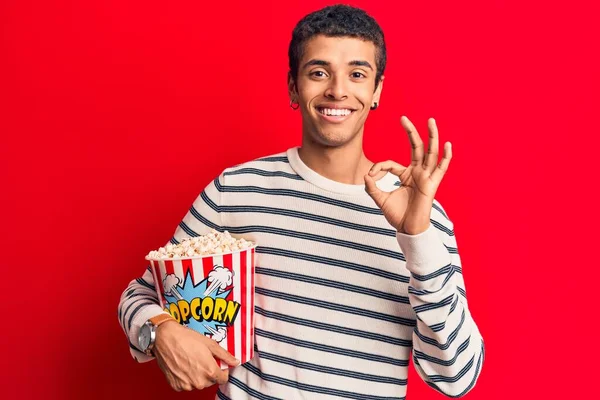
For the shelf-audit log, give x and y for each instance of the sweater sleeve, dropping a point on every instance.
(448, 350)
(139, 301)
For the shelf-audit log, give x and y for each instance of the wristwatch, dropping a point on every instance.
(147, 334)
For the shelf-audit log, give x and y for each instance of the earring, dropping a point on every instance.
(374, 107)
(292, 105)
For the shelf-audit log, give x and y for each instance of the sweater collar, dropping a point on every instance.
(385, 183)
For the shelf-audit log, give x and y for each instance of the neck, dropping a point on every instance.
(346, 163)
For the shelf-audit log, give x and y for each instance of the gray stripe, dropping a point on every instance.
(313, 388)
(334, 328)
(336, 307)
(330, 349)
(333, 284)
(332, 371)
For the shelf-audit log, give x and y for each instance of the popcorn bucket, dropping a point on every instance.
(213, 295)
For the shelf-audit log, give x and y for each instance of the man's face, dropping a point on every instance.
(336, 88)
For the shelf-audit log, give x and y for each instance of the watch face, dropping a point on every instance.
(144, 337)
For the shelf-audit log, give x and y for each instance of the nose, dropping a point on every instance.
(336, 89)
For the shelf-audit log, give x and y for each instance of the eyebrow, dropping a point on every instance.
(359, 63)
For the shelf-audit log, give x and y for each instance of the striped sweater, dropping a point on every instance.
(343, 300)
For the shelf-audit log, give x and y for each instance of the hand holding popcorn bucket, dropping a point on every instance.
(207, 284)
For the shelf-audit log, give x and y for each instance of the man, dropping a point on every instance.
(357, 267)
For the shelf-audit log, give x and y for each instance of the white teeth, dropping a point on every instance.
(335, 111)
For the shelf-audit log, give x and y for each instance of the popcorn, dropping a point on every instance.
(214, 242)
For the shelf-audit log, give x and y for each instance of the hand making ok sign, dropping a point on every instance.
(408, 208)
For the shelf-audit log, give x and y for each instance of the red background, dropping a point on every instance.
(115, 114)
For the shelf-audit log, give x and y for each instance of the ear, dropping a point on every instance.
(377, 94)
(293, 93)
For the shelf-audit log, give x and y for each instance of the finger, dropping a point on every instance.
(187, 387)
(212, 376)
(222, 376)
(443, 165)
(389, 165)
(224, 355)
(376, 194)
(218, 375)
(415, 141)
(433, 146)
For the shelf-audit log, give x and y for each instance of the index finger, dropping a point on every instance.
(415, 141)
(223, 354)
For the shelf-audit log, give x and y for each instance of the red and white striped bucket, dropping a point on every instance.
(213, 295)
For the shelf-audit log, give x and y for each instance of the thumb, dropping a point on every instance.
(223, 355)
(376, 194)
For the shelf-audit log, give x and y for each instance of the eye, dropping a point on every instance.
(315, 74)
(358, 75)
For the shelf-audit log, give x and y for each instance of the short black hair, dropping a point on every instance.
(337, 21)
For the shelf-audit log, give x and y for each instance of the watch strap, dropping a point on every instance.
(160, 319)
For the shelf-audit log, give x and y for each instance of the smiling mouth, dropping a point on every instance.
(335, 112)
